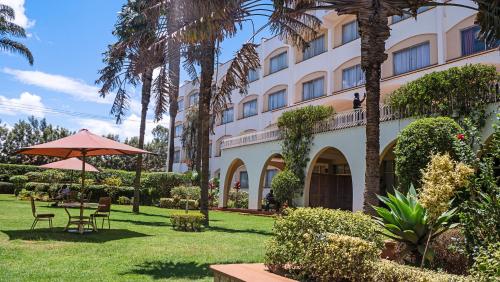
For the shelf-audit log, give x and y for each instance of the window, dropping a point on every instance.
(276, 100)
(316, 47)
(227, 116)
(397, 18)
(471, 43)
(193, 99)
(178, 130)
(209, 150)
(253, 75)
(313, 89)
(270, 173)
(353, 76)
(412, 58)
(350, 32)
(180, 105)
(243, 179)
(278, 62)
(177, 156)
(249, 108)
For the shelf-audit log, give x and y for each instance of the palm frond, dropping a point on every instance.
(120, 104)
(489, 20)
(16, 47)
(12, 29)
(161, 91)
(236, 76)
(7, 12)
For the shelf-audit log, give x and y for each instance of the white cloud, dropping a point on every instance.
(74, 87)
(27, 103)
(21, 18)
(128, 128)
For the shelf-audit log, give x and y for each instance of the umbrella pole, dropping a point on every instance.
(83, 186)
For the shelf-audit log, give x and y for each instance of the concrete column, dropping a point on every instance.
(441, 34)
(253, 187)
(222, 186)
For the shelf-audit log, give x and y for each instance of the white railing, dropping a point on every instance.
(338, 121)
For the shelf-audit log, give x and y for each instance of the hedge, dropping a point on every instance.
(388, 271)
(192, 221)
(6, 188)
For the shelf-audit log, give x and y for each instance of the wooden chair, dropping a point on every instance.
(40, 216)
(103, 210)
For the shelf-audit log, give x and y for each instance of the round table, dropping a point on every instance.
(80, 220)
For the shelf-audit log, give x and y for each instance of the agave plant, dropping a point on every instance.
(405, 220)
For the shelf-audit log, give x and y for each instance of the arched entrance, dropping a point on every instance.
(388, 178)
(330, 181)
(272, 166)
(236, 173)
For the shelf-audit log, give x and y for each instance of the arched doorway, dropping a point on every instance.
(272, 166)
(236, 173)
(330, 181)
(388, 178)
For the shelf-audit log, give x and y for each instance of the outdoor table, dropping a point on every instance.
(79, 220)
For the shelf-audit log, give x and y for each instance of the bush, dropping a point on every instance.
(122, 200)
(294, 233)
(387, 271)
(237, 199)
(186, 192)
(418, 142)
(35, 176)
(14, 169)
(447, 253)
(4, 177)
(487, 263)
(163, 182)
(285, 185)
(19, 181)
(7, 188)
(192, 204)
(169, 203)
(112, 181)
(342, 258)
(37, 186)
(192, 221)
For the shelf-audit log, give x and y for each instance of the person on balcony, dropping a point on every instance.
(356, 105)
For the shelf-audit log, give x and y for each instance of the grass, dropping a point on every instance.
(141, 247)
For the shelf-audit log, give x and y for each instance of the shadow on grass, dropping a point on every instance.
(141, 213)
(247, 231)
(169, 269)
(144, 223)
(57, 234)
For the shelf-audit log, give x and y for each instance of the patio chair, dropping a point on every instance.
(40, 216)
(103, 210)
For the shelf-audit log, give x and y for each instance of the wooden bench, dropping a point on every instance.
(244, 273)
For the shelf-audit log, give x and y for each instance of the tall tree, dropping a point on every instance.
(10, 29)
(129, 62)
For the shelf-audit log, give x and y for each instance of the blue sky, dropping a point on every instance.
(67, 39)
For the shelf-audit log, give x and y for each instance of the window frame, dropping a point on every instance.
(257, 75)
(175, 130)
(312, 81)
(243, 115)
(241, 182)
(279, 92)
(357, 36)
(314, 54)
(177, 156)
(284, 53)
(406, 50)
(356, 83)
(485, 44)
(222, 121)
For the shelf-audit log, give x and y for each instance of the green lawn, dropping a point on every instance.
(138, 247)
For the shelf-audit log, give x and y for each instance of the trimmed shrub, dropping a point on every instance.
(37, 186)
(192, 204)
(4, 178)
(19, 181)
(169, 203)
(192, 221)
(342, 258)
(112, 181)
(14, 169)
(122, 200)
(297, 232)
(186, 192)
(161, 183)
(418, 142)
(447, 255)
(388, 271)
(285, 185)
(35, 176)
(7, 188)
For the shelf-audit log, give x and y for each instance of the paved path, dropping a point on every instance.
(245, 272)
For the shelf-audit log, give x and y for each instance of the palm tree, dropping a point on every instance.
(372, 17)
(129, 62)
(8, 28)
(209, 23)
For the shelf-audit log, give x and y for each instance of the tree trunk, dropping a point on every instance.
(174, 60)
(207, 72)
(145, 98)
(374, 31)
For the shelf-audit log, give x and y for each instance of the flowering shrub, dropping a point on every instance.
(440, 181)
(237, 199)
(487, 263)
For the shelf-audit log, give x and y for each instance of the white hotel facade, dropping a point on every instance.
(246, 147)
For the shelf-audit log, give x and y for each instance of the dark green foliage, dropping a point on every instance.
(419, 141)
(297, 128)
(457, 91)
(18, 181)
(163, 182)
(7, 188)
(237, 199)
(486, 265)
(285, 186)
(186, 192)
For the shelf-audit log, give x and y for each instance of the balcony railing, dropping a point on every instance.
(338, 121)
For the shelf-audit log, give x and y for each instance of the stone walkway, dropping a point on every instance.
(245, 272)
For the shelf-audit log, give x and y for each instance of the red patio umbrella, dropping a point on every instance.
(70, 164)
(82, 144)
